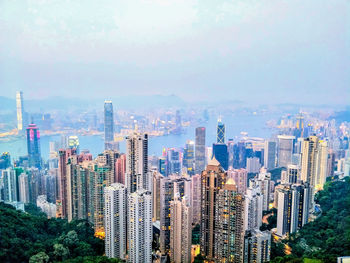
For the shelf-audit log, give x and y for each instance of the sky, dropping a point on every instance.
(257, 51)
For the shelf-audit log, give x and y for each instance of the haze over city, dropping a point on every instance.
(197, 50)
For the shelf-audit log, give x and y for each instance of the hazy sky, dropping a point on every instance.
(259, 51)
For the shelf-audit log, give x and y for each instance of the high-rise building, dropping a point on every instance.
(322, 165)
(314, 165)
(77, 187)
(212, 180)
(20, 111)
(139, 226)
(270, 155)
(109, 124)
(62, 168)
(162, 166)
(9, 185)
(157, 177)
(229, 229)
(263, 181)
(220, 132)
(240, 178)
(73, 142)
(196, 198)
(253, 165)
(120, 169)
(115, 216)
(292, 208)
(180, 230)
(5, 160)
(285, 150)
(33, 146)
(136, 176)
(291, 176)
(257, 246)
(200, 150)
(174, 163)
(23, 185)
(221, 154)
(169, 186)
(239, 155)
(48, 208)
(253, 208)
(188, 158)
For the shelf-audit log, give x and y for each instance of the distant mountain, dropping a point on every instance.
(125, 102)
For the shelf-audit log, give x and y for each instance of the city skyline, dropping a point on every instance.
(174, 131)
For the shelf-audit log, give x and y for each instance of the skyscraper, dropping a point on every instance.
(136, 176)
(20, 110)
(213, 179)
(229, 224)
(220, 136)
(115, 220)
(180, 230)
(9, 184)
(285, 150)
(257, 246)
(253, 208)
(33, 146)
(221, 154)
(196, 198)
(139, 226)
(169, 187)
(270, 155)
(62, 174)
(188, 158)
(23, 185)
(200, 150)
(174, 163)
(109, 124)
(292, 208)
(314, 165)
(73, 142)
(240, 178)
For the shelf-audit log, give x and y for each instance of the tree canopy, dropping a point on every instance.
(31, 237)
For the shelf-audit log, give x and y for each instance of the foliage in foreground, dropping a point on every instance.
(326, 238)
(31, 237)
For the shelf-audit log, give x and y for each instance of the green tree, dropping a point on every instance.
(41, 257)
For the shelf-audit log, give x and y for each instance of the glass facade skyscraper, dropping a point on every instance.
(33, 146)
(109, 124)
(220, 132)
(200, 150)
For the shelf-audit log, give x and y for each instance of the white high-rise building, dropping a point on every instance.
(253, 208)
(314, 165)
(9, 185)
(20, 110)
(263, 181)
(180, 231)
(23, 185)
(139, 226)
(115, 217)
(321, 170)
(285, 150)
(253, 165)
(137, 175)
